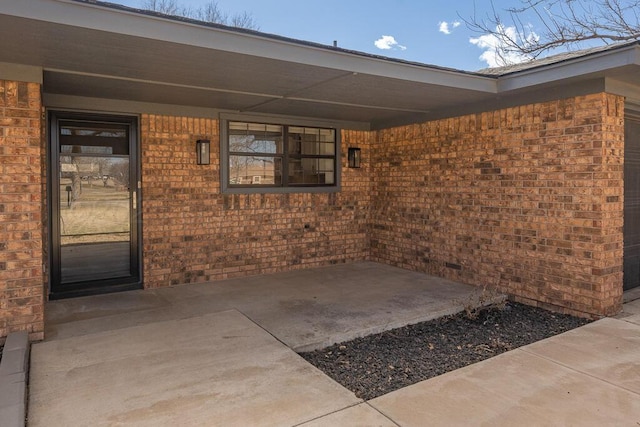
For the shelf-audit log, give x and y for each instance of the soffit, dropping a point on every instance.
(262, 76)
(94, 51)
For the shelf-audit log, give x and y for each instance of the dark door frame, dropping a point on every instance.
(58, 290)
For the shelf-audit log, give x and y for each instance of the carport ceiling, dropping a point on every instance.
(87, 50)
(92, 50)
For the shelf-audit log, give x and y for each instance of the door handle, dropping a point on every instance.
(134, 201)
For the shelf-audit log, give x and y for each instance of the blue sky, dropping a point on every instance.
(412, 30)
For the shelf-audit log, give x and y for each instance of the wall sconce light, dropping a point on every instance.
(354, 157)
(203, 151)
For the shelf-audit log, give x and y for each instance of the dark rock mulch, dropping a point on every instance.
(380, 363)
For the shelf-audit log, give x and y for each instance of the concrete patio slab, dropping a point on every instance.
(528, 387)
(305, 309)
(217, 369)
(629, 309)
(361, 415)
(635, 319)
(166, 357)
(612, 353)
(631, 295)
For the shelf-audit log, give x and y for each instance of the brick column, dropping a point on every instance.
(21, 206)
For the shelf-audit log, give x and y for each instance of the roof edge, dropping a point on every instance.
(272, 36)
(134, 22)
(592, 63)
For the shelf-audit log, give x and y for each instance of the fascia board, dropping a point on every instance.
(570, 69)
(21, 73)
(630, 91)
(97, 17)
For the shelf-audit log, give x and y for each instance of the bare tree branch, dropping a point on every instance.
(168, 7)
(563, 24)
(243, 20)
(210, 12)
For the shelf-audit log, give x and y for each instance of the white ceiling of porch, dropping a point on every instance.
(110, 52)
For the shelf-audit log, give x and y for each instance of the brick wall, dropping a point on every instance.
(21, 207)
(193, 233)
(527, 199)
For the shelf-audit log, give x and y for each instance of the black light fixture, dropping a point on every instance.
(354, 157)
(202, 151)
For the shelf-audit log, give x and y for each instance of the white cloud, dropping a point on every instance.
(497, 52)
(447, 27)
(388, 42)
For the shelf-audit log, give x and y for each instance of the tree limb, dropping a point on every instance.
(561, 24)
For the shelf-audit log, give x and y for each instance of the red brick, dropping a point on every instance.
(441, 206)
(21, 225)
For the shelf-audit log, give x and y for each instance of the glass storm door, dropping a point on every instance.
(94, 215)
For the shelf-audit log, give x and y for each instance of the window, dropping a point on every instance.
(271, 156)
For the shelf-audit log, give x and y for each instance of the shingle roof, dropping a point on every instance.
(487, 72)
(553, 59)
(269, 36)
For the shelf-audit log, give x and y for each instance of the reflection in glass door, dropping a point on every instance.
(94, 218)
(94, 214)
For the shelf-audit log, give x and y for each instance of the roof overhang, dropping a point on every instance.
(96, 51)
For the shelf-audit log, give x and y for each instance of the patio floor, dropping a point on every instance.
(215, 354)
(304, 309)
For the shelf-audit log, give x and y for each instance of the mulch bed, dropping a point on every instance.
(381, 363)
